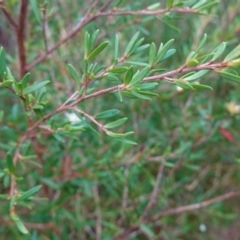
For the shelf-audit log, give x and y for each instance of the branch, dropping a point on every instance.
(178, 210)
(20, 37)
(9, 16)
(89, 18)
(64, 107)
(155, 193)
(192, 207)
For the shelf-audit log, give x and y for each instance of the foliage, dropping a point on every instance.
(105, 128)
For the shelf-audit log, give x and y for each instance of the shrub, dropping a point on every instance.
(83, 69)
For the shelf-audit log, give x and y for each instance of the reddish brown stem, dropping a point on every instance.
(20, 37)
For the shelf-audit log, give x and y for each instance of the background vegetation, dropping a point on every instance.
(63, 176)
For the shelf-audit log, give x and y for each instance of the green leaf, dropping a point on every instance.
(124, 140)
(35, 87)
(203, 41)
(196, 75)
(107, 114)
(192, 55)
(162, 51)
(25, 80)
(97, 50)
(36, 11)
(118, 70)
(152, 53)
(1, 115)
(218, 51)
(200, 86)
(117, 123)
(29, 193)
(169, 4)
(199, 4)
(234, 63)
(19, 224)
(73, 73)
(138, 76)
(137, 63)
(131, 44)
(147, 86)
(147, 230)
(154, 6)
(140, 49)
(6, 83)
(183, 84)
(119, 135)
(208, 5)
(168, 54)
(137, 94)
(87, 44)
(233, 54)
(229, 76)
(3, 67)
(10, 164)
(128, 76)
(93, 38)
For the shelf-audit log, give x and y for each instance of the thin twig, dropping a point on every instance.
(192, 207)
(155, 192)
(91, 118)
(89, 18)
(215, 66)
(9, 16)
(20, 37)
(174, 211)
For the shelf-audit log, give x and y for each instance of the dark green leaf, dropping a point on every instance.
(29, 193)
(230, 76)
(147, 86)
(35, 87)
(218, 51)
(128, 76)
(25, 80)
(137, 77)
(131, 44)
(119, 135)
(196, 76)
(233, 54)
(162, 51)
(93, 38)
(87, 44)
(107, 114)
(208, 6)
(97, 50)
(152, 53)
(118, 70)
(117, 123)
(184, 85)
(203, 41)
(36, 10)
(10, 164)
(6, 83)
(154, 6)
(73, 73)
(19, 224)
(3, 67)
(169, 4)
(200, 86)
(124, 140)
(168, 54)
